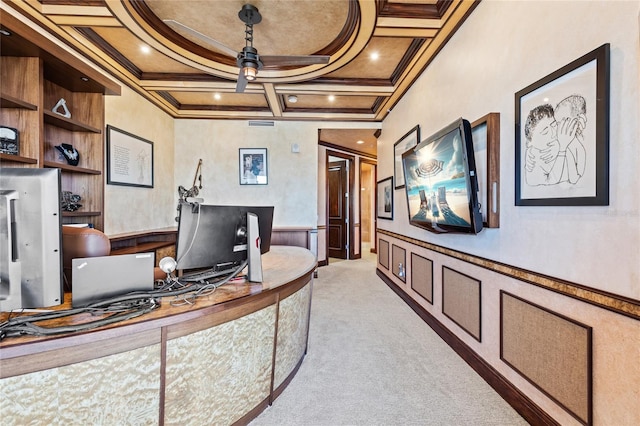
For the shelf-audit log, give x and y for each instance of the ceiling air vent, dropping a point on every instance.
(254, 123)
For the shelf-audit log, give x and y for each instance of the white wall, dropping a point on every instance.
(292, 177)
(131, 209)
(502, 48)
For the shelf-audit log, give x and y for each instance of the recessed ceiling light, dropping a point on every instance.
(331, 98)
(360, 142)
(85, 79)
(145, 49)
(292, 98)
(217, 96)
(374, 56)
(5, 32)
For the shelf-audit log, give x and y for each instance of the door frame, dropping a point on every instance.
(351, 159)
(374, 221)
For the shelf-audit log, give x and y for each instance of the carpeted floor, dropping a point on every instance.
(373, 361)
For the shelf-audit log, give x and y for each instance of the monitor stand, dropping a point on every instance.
(254, 255)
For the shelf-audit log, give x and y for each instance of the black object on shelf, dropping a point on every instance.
(70, 153)
(9, 140)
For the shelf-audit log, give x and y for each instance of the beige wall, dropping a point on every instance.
(130, 209)
(179, 144)
(292, 177)
(502, 48)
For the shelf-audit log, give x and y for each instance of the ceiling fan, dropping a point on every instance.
(248, 59)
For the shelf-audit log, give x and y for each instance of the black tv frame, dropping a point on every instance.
(433, 213)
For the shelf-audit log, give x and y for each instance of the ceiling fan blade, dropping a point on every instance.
(242, 82)
(216, 44)
(273, 60)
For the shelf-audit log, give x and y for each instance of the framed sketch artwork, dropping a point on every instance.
(253, 166)
(129, 159)
(406, 142)
(562, 135)
(385, 198)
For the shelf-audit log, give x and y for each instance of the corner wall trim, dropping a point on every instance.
(531, 412)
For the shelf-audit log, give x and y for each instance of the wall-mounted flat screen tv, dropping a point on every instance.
(441, 183)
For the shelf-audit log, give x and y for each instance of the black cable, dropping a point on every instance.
(18, 326)
(28, 327)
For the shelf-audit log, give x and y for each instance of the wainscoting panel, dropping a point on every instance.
(383, 253)
(422, 276)
(559, 352)
(399, 262)
(461, 301)
(551, 351)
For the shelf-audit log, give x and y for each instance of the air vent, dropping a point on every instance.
(254, 123)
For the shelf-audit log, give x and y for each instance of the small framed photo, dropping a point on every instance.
(253, 166)
(384, 199)
(129, 159)
(405, 143)
(562, 135)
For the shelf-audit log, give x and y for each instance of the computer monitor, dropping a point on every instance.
(215, 236)
(30, 238)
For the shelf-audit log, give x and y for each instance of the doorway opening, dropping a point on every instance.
(340, 209)
(367, 206)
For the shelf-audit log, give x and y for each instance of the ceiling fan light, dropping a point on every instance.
(249, 73)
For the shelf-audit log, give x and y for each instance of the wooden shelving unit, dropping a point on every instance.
(35, 75)
(7, 158)
(67, 123)
(7, 101)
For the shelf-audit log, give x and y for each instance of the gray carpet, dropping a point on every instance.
(373, 361)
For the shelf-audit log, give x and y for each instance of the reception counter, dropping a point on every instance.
(220, 361)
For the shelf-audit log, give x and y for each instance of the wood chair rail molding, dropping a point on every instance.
(609, 301)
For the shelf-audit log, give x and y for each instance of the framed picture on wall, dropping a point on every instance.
(384, 199)
(253, 166)
(406, 142)
(129, 159)
(486, 146)
(562, 135)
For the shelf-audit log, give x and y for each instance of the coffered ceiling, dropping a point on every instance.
(376, 49)
(190, 77)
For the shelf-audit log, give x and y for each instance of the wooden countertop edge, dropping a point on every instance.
(148, 323)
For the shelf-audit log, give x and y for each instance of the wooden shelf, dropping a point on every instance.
(57, 120)
(80, 214)
(71, 169)
(142, 248)
(7, 101)
(39, 74)
(144, 241)
(17, 159)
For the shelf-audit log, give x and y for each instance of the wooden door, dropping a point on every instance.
(338, 213)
